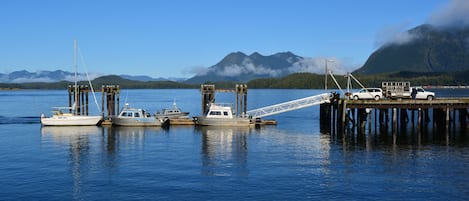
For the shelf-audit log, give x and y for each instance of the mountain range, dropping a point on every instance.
(24, 76)
(423, 49)
(239, 67)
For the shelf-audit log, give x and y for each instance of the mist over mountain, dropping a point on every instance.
(425, 48)
(143, 78)
(24, 76)
(239, 67)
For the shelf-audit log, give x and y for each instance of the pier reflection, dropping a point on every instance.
(224, 151)
(406, 133)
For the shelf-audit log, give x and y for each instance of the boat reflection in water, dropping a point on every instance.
(78, 139)
(91, 143)
(73, 135)
(127, 137)
(224, 150)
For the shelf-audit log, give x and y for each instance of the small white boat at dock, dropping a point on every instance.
(173, 113)
(60, 117)
(222, 115)
(137, 117)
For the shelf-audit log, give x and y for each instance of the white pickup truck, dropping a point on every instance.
(399, 90)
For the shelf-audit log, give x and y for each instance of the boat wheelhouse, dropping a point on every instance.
(222, 115)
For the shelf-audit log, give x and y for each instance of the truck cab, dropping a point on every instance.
(420, 93)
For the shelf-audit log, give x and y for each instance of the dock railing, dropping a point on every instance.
(289, 106)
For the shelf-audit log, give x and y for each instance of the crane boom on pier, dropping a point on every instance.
(289, 106)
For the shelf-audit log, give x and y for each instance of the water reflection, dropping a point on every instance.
(78, 140)
(86, 144)
(408, 134)
(224, 151)
(130, 137)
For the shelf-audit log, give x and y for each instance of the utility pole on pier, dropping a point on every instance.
(326, 73)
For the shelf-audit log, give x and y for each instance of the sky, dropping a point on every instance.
(161, 38)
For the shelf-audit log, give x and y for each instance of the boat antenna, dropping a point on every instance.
(75, 77)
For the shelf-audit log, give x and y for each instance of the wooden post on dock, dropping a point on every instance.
(463, 118)
(82, 99)
(110, 98)
(345, 113)
(403, 119)
(394, 120)
(208, 96)
(241, 99)
(419, 121)
(447, 122)
(76, 96)
(325, 117)
(70, 99)
(86, 100)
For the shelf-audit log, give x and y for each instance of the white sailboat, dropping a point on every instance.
(68, 116)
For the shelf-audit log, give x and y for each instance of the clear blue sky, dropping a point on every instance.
(169, 38)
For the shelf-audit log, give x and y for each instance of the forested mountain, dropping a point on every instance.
(423, 49)
(239, 67)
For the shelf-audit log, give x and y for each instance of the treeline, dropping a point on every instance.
(293, 81)
(316, 81)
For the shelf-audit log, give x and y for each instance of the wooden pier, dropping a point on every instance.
(241, 92)
(79, 96)
(110, 101)
(444, 115)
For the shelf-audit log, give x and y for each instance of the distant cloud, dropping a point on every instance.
(247, 67)
(196, 70)
(317, 65)
(308, 65)
(455, 13)
(28, 80)
(43, 76)
(397, 34)
(82, 77)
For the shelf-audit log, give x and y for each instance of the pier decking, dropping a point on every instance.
(342, 116)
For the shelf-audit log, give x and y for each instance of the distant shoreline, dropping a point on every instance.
(446, 87)
(10, 89)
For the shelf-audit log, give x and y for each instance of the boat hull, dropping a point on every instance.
(182, 115)
(150, 121)
(71, 120)
(204, 121)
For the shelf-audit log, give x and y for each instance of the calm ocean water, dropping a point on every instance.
(290, 161)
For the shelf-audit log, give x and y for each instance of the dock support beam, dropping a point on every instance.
(208, 96)
(110, 98)
(77, 96)
(241, 99)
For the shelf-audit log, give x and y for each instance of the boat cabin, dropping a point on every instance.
(128, 112)
(220, 111)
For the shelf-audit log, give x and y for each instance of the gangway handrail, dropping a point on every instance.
(289, 106)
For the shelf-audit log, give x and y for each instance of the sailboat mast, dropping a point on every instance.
(75, 77)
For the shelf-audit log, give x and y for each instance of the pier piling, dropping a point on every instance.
(446, 115)
(76, 95)
(208, 96)
(110, 99)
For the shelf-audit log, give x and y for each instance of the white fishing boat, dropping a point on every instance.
(172, 113)
(137, 117)
(222, 115)
(69, 116)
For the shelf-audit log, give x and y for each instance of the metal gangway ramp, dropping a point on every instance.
(289, 106)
